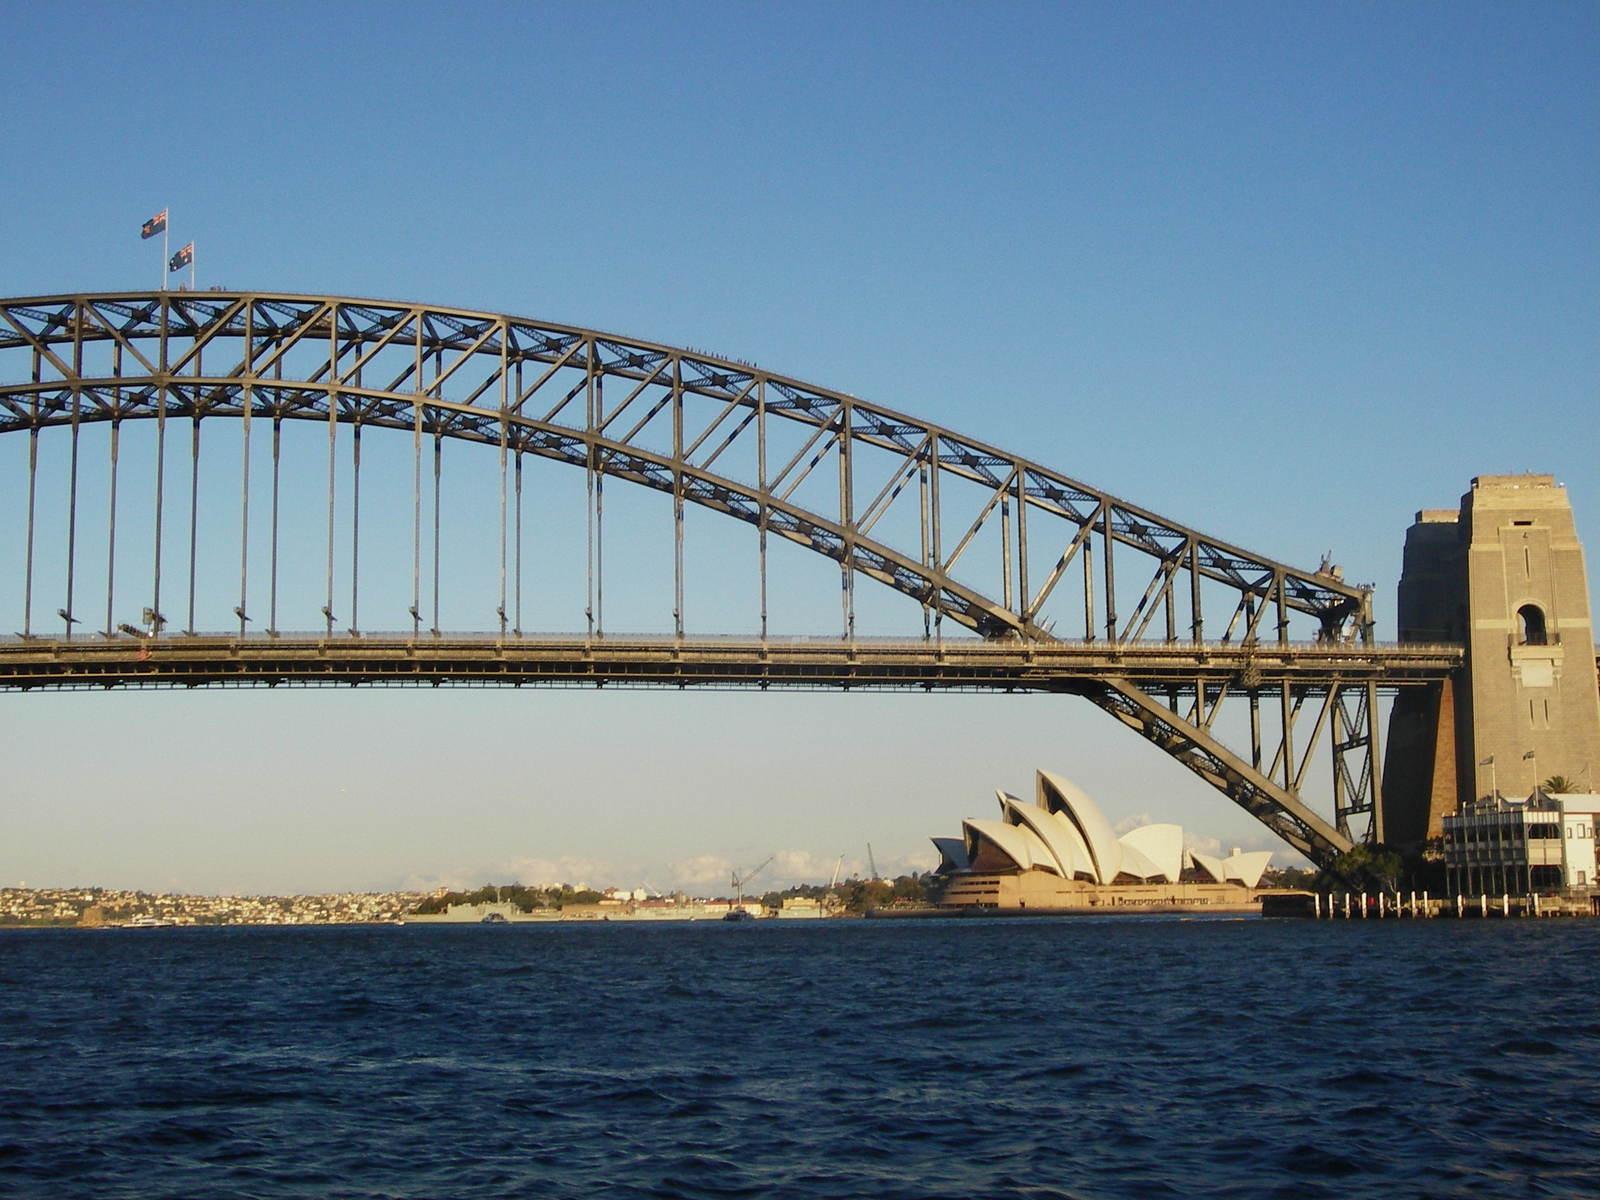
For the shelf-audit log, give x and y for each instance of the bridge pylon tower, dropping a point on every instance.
(1504, 576)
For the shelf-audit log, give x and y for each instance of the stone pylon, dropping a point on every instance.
(1505, 577)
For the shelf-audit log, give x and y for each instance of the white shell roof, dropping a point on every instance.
(1018, 843)
(1246, 868)
(952, 853)
(1066, 834)
(1136, 864)
(1105, 852)
(1058, 834)
(1210, 864)
(1161, 845)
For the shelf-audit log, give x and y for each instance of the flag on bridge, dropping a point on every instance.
(156, 224)
(182, 258)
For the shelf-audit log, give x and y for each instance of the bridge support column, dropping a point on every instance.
(1419, 771)
(1505, 577)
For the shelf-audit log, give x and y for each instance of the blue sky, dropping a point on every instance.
(1287, 273)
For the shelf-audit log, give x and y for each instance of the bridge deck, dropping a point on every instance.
(309, 659)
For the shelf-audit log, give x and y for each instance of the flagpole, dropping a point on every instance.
(191, 268)
(165, 250)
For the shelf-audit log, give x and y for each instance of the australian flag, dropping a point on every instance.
(156, 224)
(181, 259)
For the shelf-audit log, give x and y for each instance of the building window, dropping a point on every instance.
(1531, 617)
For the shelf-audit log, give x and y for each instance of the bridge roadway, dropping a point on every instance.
(643, 660)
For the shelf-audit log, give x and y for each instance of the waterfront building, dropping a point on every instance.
(1059, 852)
(1543, 843)
(801, 907)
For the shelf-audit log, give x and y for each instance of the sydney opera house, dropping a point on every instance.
(1059, 853)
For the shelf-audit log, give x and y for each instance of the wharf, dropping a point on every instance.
(1359, 906)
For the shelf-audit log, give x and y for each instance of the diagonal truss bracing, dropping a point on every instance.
(977, 537)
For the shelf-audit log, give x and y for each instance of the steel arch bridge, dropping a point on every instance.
(1246, 670)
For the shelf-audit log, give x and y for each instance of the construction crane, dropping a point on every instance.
(830, 898)
(740, 880)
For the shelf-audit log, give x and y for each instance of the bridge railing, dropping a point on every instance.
(997, 647)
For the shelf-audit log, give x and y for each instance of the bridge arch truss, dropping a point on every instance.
(993, 549)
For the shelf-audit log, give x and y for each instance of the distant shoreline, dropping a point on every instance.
(1108, 910)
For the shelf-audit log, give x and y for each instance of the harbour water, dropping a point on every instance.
(1086, 1058)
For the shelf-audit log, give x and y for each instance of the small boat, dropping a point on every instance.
(494, 919)
(738, 914)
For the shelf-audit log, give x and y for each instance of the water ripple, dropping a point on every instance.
(1047, 1060)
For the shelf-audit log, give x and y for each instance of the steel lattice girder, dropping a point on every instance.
(1271, 793)
(499, 380)
(164, 337)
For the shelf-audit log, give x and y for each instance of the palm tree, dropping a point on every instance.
(1559, 784)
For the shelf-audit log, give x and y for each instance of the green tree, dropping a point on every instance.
(1288, 877)
(1559, 784)
(1363, 869)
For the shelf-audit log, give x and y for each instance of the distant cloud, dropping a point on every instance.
(801, 866)
(788, 868)
(528, 871)
(567, 868)
(698, 875)
(700, 872)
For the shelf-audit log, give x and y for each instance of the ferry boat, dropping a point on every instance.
(146, 921)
